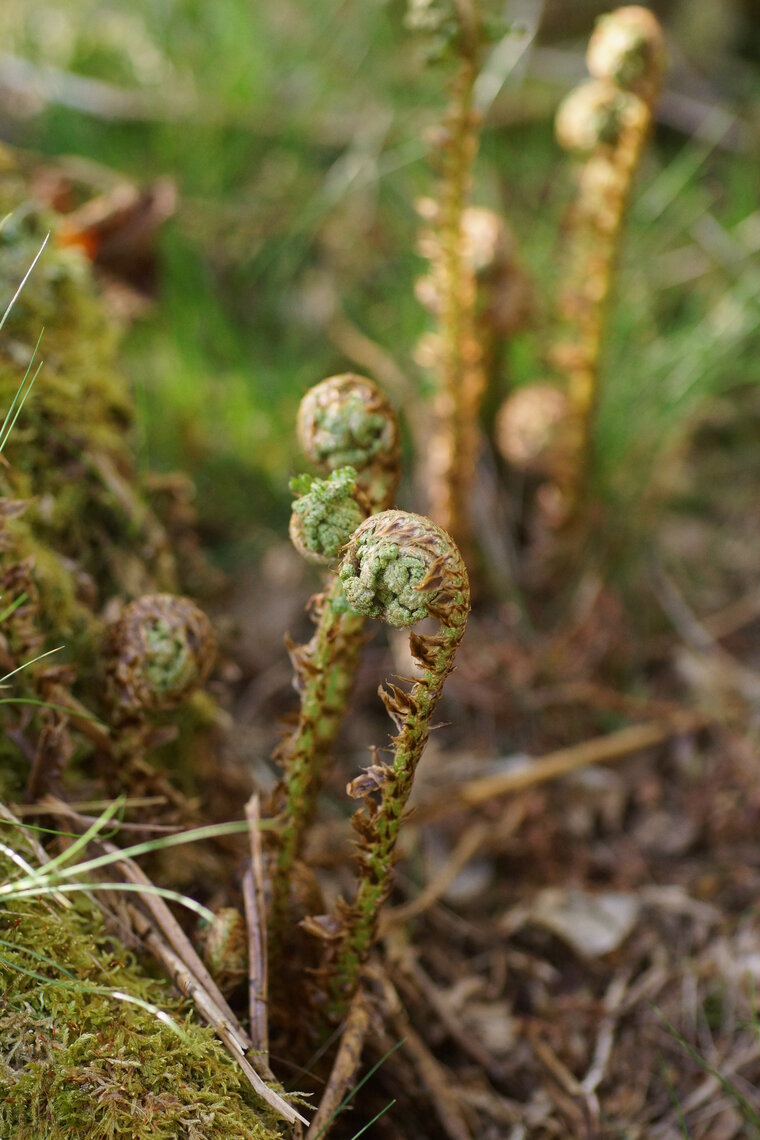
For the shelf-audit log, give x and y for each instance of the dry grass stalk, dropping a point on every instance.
(599, 750)
(187, 983)
(255, 912)
(433, 1076)
(345, 1066)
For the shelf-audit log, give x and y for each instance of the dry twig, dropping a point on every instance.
(345, 1067)
(434, 1078)
(598, 750)
(255, 913)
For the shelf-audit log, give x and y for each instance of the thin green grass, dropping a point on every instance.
(350, 1096)
(684, 1128)
(52, 877)
(11, 609)
(748, 1113)
(375, 1118)
(24, 280)
(26, 664)
(49, 879)
(26, 384)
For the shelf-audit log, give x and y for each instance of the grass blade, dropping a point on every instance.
(15, 296)
(26, 664)
(32, 892)
(5, 432)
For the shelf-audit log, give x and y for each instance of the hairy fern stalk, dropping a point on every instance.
(607, 120)
(400, 568)
(345, 421)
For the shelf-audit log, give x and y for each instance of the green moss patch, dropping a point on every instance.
(75, 1061)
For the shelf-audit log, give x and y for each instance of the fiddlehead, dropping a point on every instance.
(606, 121)
(343, 419)
(156, 654)
(400, 568)
(326, 514)
(347, 421)
(159, 650)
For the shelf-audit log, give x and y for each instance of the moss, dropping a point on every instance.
(70, 453)
(76, 531)
(77, 1062)
(87, 533)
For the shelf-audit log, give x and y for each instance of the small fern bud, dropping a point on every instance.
(398, 567)
(225, 949)
(159, 650)
(595, 115)
(627, 47)
(347, 421)
(326, 514)
(529, 428)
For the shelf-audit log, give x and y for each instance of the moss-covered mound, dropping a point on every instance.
(78, 537)
(77, 1061)
(70, 453)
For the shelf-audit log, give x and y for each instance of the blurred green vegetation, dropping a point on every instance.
(297, 137)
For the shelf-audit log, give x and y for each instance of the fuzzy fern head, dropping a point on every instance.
(347, 421)
(596, 114)
(326, 514)
(401, 568)
(160, 650)
(225, 949)
(455, 26)
(628, 47)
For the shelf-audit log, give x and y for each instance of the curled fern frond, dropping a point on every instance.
(159, 650)
(400, 568)
(347, 421)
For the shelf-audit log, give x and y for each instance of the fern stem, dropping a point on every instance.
(399, 567)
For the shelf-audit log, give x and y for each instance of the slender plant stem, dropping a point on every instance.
(461, 376)
(344, 419)
(399, 567)
(324, 670)
(626, 58)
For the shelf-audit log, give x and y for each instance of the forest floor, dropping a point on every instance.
(573, 947)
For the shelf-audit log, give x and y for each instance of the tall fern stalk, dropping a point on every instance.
(454, 354)
(345, 420)
(401, 568)
(607, 120)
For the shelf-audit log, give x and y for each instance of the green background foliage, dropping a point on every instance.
(298, 138)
